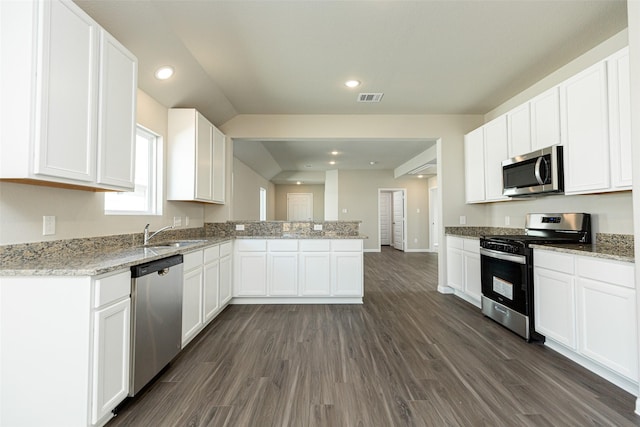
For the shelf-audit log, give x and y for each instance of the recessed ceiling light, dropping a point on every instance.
(373, 163)
(307, 166)
(163, 73)
(352, 83)
(332, 162)
(420, 176)
(298, 182)
(335, 153)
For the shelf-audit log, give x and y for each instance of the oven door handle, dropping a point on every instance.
(519, 259)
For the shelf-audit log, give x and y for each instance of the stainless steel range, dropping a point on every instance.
(506, 264)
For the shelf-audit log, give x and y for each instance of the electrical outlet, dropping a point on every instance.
(317, 227)
(239, 227)
(463, 219)
(507, 220)
(177, 221)
(415, 240)
(48, 225)
(418, 210)
(344, 210)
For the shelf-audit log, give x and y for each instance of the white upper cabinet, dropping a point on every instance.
(620, 119)
(196, 158)
(68, 103)
(495, 151)
(117, 112)
(474, 166)
(585, 130)
(545, 119)
(519, 131)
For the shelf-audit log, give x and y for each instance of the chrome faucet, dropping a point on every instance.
(148, 237)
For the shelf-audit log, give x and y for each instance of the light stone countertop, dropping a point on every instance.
(288, 236)
(61, 260)
(595, 250)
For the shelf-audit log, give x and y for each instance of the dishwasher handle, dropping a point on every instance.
(156, 266)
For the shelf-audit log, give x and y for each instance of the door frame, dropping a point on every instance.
(434, 231)
(404, 216)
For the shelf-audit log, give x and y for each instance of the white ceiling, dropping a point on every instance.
(292, 57)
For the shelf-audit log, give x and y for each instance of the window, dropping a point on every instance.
(146, 198)
(263, 204)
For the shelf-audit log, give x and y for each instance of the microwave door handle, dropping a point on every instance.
(537, 170)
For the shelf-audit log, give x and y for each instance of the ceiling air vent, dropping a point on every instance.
(370, 97)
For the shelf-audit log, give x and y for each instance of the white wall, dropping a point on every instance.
(359, 196)
(246, 193)
(81, 213)
(317, 190)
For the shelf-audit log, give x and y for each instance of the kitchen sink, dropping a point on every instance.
(173, 244)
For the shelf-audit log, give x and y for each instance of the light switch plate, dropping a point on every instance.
(48, 225)
(177, 221)
(463, 219)
(239, 227)
(317, 227)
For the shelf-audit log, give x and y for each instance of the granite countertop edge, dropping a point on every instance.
(97, 263)
(590, 250)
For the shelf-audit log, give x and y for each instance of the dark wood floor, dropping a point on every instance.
(409, 356)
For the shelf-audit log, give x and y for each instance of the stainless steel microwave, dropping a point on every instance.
(534, 173)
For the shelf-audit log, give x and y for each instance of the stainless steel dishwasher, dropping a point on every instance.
(156, 318)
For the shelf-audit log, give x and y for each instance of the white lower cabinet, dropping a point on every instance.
(463, 268)
(206, 287)
(282, 268)
(287, 270)
(226, 276)
(586, 308)
(67, 363)
(554, 297)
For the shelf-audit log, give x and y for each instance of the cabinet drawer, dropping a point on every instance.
(251, 245)
(455, 242)
(192, 260)
(346, 245)
(283, 245)
(609, 271)
(471, 245)
(211, 253)
(225, 248)
(315, 245)
(553, 261)
(112, 288)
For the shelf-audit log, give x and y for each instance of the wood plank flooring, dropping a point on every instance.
(409, 356)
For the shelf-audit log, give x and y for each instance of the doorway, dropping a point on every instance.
(392, 223)
(299, 206)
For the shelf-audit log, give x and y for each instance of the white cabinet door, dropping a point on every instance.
(545, 119)
(192, 316)
(210, 290)
(495, 151)
(116, 114)
(585, 129)
(226, 280)
(555, 301)
(315, 273)
(474, 166)
(218, 173)
(282, 270)
(455, 263)
(620, 119)
(204, 156)
(519, 130)
(472, 276)
(346, 270)
(66, 134)
(111, 337)
(607, 315)
(250, 274)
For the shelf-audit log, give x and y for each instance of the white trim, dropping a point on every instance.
(419, 250)
(373, 250)
(295, 300)
(445, 290)
(405, 243)
(613, 377)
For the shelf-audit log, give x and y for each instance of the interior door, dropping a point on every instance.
(398, 220)
(299, 206)
(385, 219)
